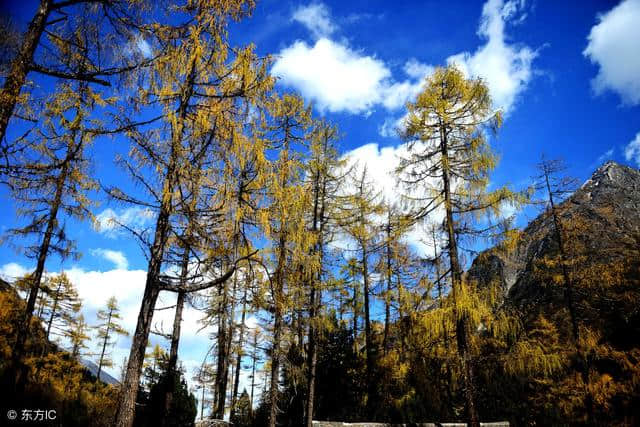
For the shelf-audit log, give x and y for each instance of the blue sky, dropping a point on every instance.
(566, 74)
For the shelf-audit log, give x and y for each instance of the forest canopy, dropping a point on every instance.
(322, 294)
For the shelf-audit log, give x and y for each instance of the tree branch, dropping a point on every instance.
(74, 76)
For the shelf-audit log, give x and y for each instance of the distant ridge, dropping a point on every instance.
(93, 368)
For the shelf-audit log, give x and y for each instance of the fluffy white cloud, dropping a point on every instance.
(316, 18)
(336, 77)
(632, 150)
(390, 127)
(506, 68)
(613, 45)
(116, 257)
(12, 271)
(109, 221)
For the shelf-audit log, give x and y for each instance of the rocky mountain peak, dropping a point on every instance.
(608, 205)
(611, 176)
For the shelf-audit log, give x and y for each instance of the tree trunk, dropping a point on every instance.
(387, 308)
(312, 359)
(356, 314)
(568, 290)
(254, 359)
(126, 408)
(277, 326)
(53, 309)
(462, 332)
(104, 345)
(21, 65)
(367, 317)
(175, 336)
(19, 379)
(569, 301)
(202, 404)
(275, 369)
(223, 356)
(172, 374)
(236, 381)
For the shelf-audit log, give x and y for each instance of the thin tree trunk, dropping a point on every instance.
(104, 345)
(277, 326)
(568, 292)
(445, 333)
(356, 314)
(19, 379)
(53, 309)
(275, 371)
(222, 365)
(173, 352)
(315, 296)
(312, 358)
(230, 329)
(367, 328)
(202, 404)
(21, 65)
(236, 381)
(254, 359)
(387, 308)
(569, 301)
(462, 329)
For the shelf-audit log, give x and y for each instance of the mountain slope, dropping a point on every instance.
(608, 207)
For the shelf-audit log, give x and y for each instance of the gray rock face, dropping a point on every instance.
(93, 368)
(608, 203)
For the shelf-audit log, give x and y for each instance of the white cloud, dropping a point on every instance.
(108, 221)
(339, 78)
(605, 156)
(336, 77)
(13, 271)
(506, 68)
(116, 257)
(96, 287)
(613, 45)
(632, 150)
(316, 18)
(144, 47)
(417, 70)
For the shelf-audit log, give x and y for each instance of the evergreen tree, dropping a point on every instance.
(63, 305)
(359, 221)
(447, 166)
(284, 223)
(109, 318)
(242, 416)
(77, 334)
(325, 181)
(182, 408)
(198, 82)
(52, 182)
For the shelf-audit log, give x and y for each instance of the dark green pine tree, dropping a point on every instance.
(151, 412)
